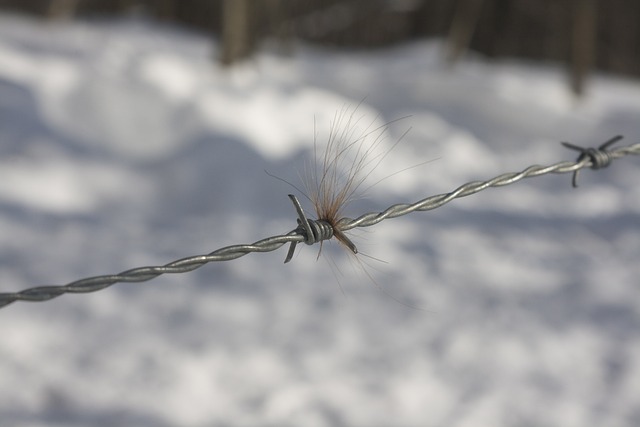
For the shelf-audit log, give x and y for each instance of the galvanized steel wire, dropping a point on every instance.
(594, 158)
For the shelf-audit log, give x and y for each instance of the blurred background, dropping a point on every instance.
(582, 34)
(136, 133)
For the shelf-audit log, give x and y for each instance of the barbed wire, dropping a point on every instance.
(312, 231)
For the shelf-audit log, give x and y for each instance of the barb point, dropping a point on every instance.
(599, 157)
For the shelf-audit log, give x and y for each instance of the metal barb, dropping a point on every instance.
(599, 157)
(314, 231)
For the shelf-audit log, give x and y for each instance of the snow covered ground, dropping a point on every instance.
(122, 144)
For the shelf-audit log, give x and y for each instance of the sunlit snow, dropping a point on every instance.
(123, 144)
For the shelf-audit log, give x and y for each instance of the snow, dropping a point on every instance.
(122, 144)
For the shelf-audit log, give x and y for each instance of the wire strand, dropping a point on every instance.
(594, 158)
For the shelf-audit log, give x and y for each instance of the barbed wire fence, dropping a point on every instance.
(312, 231)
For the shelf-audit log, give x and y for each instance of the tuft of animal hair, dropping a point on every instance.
(353, 151)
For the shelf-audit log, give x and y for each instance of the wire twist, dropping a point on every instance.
(600, 157)
(314, 231)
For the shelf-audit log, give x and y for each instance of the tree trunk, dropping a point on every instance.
(62, 9)
(463, 26)
(236, 31)
(583, 43)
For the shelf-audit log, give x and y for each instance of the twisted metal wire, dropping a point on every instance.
(594, 158)
(142, 274)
